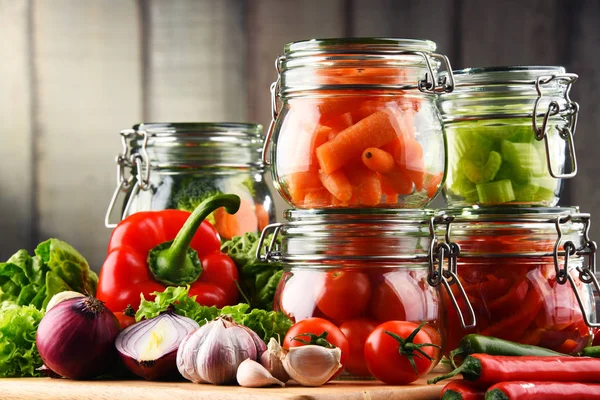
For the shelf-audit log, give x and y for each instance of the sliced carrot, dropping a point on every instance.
(365, 184)
(337, 184)
(378, 160)
(374, 131)
(244, 220)
(338, 124)
(320, 136)
(317, 199)
(432, 183)
(398, 180)
(391, 198)
(409, 156)
(334, 106)
(299, 183)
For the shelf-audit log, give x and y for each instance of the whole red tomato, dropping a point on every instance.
(357, 331)
(398, 298)
(343, 295)
(388, 359)
(126, 317)
(318, 327)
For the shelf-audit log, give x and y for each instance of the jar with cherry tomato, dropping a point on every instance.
(355, 123)
(357, 270)
(528, 274)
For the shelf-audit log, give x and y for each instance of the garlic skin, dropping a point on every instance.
(213, 353)
(311, 365)
(271, 360)
(252, 374)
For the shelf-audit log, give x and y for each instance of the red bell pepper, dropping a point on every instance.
(149, 251)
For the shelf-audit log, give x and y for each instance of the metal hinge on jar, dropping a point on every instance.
(438, 252)
(587, 273)
(271, 252)
(126, 162)
(566, 133)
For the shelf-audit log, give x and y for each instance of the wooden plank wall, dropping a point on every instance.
(74, 73)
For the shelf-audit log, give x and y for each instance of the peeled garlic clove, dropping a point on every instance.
(252, 374)
(311, 365)
(270, 359)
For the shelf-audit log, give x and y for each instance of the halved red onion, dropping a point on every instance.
(149, 348)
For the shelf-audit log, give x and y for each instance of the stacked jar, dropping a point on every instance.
(357, 148)
(178, 165)
(527, 266)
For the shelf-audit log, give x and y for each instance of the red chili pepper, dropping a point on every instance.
(485, 370)
(462, 390)
(543, 391)
(149, 251)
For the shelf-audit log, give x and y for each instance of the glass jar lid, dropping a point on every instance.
(192, 145)
(353, 235)
(517, 231)
(360, 63)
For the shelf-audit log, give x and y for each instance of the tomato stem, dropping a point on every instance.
(319, 340)
(129, 311)
(411, 350)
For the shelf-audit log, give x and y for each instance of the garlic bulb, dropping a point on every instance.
(311, 365)
(271, 360)
(213, 353)
(252, 374)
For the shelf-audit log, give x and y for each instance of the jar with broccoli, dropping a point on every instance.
(178, 165)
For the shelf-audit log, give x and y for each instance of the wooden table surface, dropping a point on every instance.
(63, 389)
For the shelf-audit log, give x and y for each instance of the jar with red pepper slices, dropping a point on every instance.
(177, 165)
(360, 268)
(528, 274)
(355, 123)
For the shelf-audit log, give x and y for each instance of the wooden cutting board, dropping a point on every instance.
(63, 389)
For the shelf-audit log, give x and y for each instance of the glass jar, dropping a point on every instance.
(510, 135)
(177, 165)
(359, 268)
(358, 124)
(527, 273)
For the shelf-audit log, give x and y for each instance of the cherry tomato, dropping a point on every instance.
(343, 295)
(386, 362)
(317, 326)
(126, 317)
(398, 298)
(293, 299)
(357, 331)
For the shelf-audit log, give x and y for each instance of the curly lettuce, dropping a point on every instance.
(55, 267)
(18, 353)
(266, 324)
(258, 279)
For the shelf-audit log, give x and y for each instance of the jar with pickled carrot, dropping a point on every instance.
(177, 165)
(528, 274)
(355, 123)
(361, 268)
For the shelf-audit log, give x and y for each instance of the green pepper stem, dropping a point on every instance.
(496, 394)
(470, 369)
(175, 263)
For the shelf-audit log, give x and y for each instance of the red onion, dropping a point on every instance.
(76, 338)
(149, 348)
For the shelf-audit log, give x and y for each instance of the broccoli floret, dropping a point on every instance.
(192, 190)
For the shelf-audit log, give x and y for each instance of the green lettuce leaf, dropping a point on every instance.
(18, 353)
(55, 267)
(258, 279)
(266, 324)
